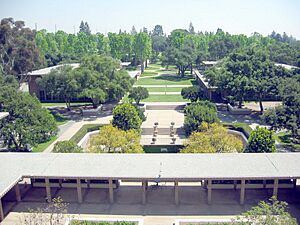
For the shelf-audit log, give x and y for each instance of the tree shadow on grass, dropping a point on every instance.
(174, 78)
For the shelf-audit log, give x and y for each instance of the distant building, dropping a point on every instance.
(34, 75)
(286, 66)
(3, 115)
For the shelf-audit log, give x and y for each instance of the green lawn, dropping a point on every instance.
(83, 130)
(149, 73)
(164, 89)
(284, 139)
(42, 146)
(166, 79)
(165, 98)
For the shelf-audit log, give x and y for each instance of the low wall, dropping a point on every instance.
(84, 141)
(238, 111)
(239, 135)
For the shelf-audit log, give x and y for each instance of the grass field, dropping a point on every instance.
(166, 79)
(164, 89)
(149, 73)
(165, 98)
(42, 146)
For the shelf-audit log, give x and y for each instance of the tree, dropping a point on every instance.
(18, 51)
(273, 212)
(133, 31)
(114, 140)
(53, 213)
(61, 83)
(138, 94)
(261, 140)
(191, 28)
(67, 147)
(27, 123)
(213, 138)
(85, 28)
(142, 48)
(158, 31)
(198, 112)
(193, 93)
(125, 117)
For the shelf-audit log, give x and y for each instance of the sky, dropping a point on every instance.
(233, 16)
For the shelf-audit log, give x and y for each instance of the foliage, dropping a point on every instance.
(286, 116)
(114, 140)
(126, 117)
(142, 48)
(242, 127)
(52, 214)
(18, 51)
(261, 140)
(138, 94)
(273, 212)
(67, 147)
(199, 112)
(213, 138)
(28, 123)
(83, 131)
(84, 27)
(193, 93)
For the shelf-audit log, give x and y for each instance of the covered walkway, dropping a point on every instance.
(203, 172)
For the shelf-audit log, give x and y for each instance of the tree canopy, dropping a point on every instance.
(261, 140)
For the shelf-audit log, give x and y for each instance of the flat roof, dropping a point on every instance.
(286, 66)
(47, 70)
(3, 114)
(204, 80)
(183, 167)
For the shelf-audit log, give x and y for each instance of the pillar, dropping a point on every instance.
(209, 190)
(275, 188)
(111, 191)
(1, 211)
(144, 190)
(265, 183)
(294, 183)
(60, 183)
(48, 190)
(176, 192)
(79, 191)
(235, 184)
(18, 193)
(88, 183)
(242, 193)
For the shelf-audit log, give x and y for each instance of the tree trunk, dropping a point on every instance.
(142, 67)
(146, 63)
(191, 68)
(240, 103)
(261, 105)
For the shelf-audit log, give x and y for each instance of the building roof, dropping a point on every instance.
(14, 166)
(204, 80)
(209, 62)
(3, 114)
(47, 70)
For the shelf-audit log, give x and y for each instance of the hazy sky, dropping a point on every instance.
(234, 16)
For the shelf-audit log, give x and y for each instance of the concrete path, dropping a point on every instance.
(74, 127)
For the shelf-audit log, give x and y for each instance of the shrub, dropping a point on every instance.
(192, 93)
(199, 112)
(67, 147)
(138, 94)
(261, 140)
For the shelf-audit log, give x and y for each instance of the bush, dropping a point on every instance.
(126, 117)
(199, 112)
(192, 93)
(138, 94)
(67, 147)
(261, 140)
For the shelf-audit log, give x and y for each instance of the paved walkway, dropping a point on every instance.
(72, 129)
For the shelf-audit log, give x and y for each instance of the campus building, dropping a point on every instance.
(238, 172)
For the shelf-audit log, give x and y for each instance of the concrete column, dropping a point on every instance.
(79, 191)
(242, 194)
(275, 188)
(209, 190)
(265, 183)
(18, 193)
(176, 192)
(294, 183)
(1, 211)
(234, 184)
(48, 189)
(144, 192)
(60, 183)
(111, 191)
